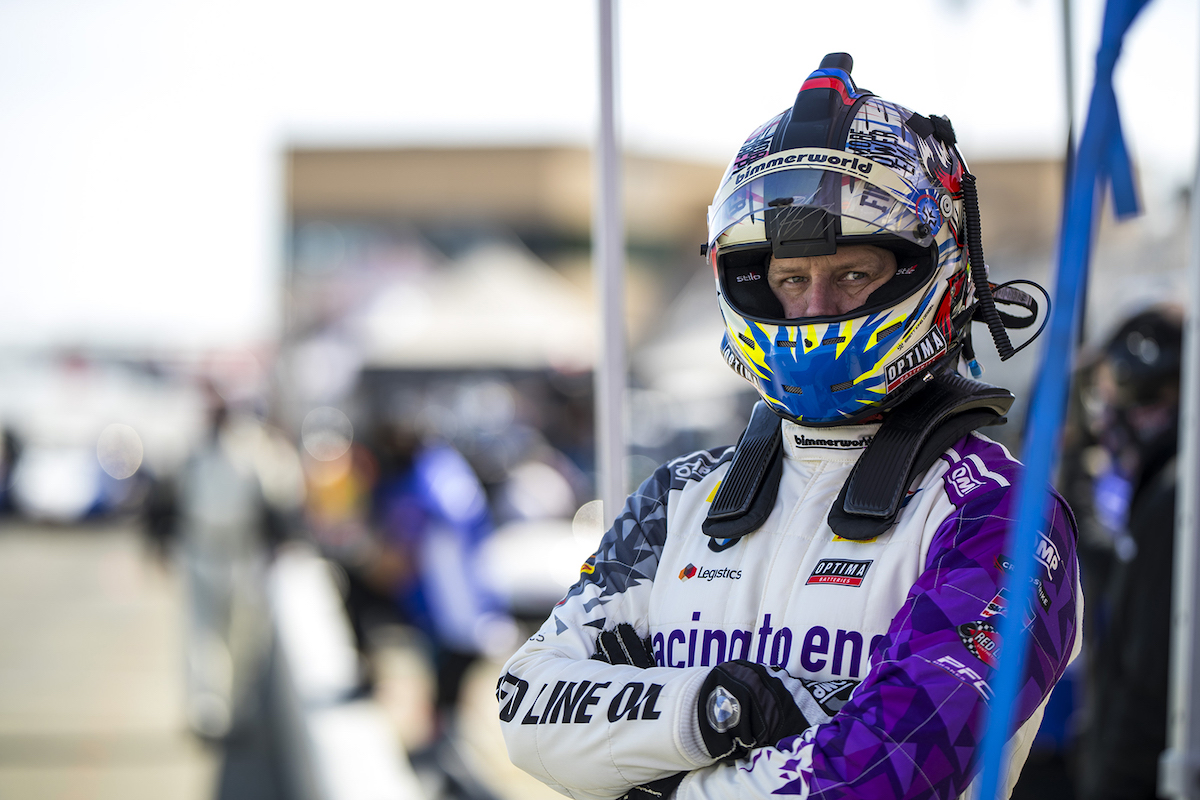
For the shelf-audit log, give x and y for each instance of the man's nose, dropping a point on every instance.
(822, 300)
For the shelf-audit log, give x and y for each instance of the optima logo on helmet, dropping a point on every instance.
(930, 346)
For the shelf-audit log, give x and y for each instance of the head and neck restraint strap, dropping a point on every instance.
(910, 439)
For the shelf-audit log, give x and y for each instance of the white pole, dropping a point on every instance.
(1179, 768)
(1069, 155)
(1069, 73)
(608, 265)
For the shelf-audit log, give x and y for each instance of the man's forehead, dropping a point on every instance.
(855, 255)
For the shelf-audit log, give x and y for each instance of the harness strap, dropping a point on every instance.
(912, 437)
(749, 488)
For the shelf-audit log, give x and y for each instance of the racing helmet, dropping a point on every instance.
(843, 167)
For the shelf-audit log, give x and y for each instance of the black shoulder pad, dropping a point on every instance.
(909, 441)
(749, 488)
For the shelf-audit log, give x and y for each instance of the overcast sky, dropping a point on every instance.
(141, 140)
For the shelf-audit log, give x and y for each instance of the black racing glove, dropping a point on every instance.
(655, 790)
(622, 645)
(744, 705)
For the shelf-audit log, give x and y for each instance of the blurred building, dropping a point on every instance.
(471, 266)
(463, 275)
(473, 261)
(442, 259)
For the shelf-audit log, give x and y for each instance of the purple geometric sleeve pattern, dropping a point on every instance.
(914, 727)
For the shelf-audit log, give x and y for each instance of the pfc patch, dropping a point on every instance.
(966, 675)
(982, 640)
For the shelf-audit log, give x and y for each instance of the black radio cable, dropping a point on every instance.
(987, 303)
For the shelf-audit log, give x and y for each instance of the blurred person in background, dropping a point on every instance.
(1130, 397)
(338, 515)
(236, 496)
(339, 503)
(159, 514)
(813, 611)
(10, 454)
(432, 518)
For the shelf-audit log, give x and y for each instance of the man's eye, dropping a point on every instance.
(854, 276)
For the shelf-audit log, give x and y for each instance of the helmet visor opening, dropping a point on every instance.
(809, 211)
(744, 283)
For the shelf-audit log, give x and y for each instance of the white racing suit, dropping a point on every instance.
(895, 637)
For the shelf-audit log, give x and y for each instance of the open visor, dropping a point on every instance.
(779, 199)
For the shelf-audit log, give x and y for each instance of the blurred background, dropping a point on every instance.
(288, 286)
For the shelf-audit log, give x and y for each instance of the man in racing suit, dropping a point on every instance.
(701, 661)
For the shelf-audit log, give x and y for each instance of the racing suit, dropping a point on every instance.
(895, 637)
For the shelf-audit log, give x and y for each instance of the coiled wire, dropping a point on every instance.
(986, 302)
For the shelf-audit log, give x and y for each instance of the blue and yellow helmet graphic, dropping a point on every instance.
(840, 168)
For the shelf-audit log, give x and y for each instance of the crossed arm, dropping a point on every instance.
(595, 729)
